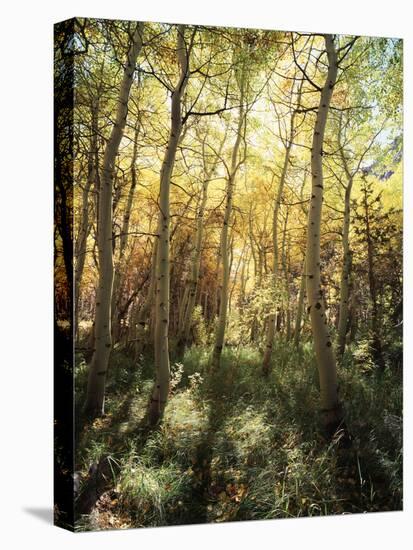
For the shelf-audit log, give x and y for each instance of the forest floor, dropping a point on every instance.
(236, 446)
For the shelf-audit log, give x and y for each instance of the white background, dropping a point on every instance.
(26, 272)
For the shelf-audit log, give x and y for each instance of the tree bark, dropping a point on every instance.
(269, 343)
(160, 391)
(375, 321)
(344, 311)
(300, 307)
(192, 284)
(224, 251)
(143, 316)
(123, 243)
(94, 405)
(331, 409)
(269, 340)
(84, 229)
(286, 270)
(244, 279)
(189, 298)
(347, 254)
(345, 275)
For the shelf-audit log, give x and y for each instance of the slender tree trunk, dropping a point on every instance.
(80, 249)
(231, 262)
(217, 291)
(257, 274)
(244, 279)
(288, 325)
(332, 413)
(375, 321)
(345, 275)
(183, 302)
(253, 251)
(144, 313)
(241, 261)
(302, 293)
(94, 405)
(123, 243)
(352, 313)
(347, 254)
(300, 307)
(161, 388)
(269, 340)
(192, 285)
(84, 229)
(286, 269)
(223, 307)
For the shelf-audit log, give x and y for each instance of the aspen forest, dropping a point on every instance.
(228, 244)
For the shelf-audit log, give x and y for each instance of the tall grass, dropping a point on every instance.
(236, 446)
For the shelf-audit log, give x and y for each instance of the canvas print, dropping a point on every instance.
(228, 274)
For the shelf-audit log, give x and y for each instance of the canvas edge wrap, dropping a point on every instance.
(64, 59)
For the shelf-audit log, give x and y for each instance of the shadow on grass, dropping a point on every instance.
(243, 446)
(102, 475)
(207, 487)
(124, 421)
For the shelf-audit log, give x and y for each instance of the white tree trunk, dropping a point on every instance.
(94, 404)
(192, 284)
(224, 252)
(161, 388)
(286, 270)
(84, 229)
(345, 275)
(269, 340)
(143, 315)
(300, 308)
(322, 343)
(123, 243)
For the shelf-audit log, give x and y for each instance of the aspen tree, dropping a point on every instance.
(367, 219)
(286, 271)
(301, 294)
(224, 248)
(350, 174)
(85, 224)
(269, 340)
(271, 321)
(95, 397)
(300, 308)
(331, 409)
(347, 258)
(123, 240)
(160, 391)
(192, 284)
(143, 315)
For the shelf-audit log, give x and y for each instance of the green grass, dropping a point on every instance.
(235, 446)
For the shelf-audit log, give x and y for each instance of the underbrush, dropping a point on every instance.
(236, 446)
